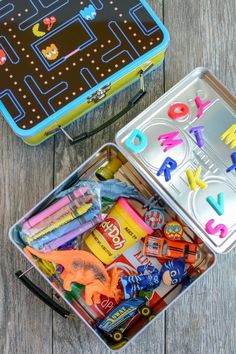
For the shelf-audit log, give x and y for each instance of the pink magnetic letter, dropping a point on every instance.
(169, 141)
(202, 106)
(218, 228)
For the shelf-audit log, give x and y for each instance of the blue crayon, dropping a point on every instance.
(53, 235)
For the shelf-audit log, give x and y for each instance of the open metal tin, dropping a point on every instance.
(180, 201)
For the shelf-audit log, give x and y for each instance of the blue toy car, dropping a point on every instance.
(118, 319)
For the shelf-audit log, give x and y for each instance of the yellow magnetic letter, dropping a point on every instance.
(230, 136)
(194, 179)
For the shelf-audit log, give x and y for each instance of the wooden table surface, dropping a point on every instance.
(203, 33)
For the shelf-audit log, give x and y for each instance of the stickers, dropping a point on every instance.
(173, 230)
(154, 218)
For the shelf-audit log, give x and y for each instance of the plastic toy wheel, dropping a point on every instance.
(117, 336)
(151, 317)
(145, 311)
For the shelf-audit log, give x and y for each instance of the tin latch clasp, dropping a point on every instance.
(99, 94)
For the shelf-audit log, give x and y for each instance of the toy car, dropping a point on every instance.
(166, 249)
(116, 322)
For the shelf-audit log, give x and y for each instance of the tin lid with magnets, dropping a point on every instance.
(184, 144)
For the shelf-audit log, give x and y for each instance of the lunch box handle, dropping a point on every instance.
(41, 294)
(134, 100)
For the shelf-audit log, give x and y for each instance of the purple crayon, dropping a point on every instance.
(79, 192)
(73, 234)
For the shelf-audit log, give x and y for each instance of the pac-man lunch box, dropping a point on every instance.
(61, 58)
(180, 149)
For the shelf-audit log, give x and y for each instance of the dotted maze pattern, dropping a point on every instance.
(32, 88)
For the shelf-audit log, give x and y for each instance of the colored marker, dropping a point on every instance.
(54, 207)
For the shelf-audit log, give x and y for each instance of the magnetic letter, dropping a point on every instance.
(168, 166)
(169, 140)
(197, 131)
(178, 110)
(194, 179)
(230, 136)
(218, 228)
(142, 141)
(202, 106)
(233, 167)
(218, 205)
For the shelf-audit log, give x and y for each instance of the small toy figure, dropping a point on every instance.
(173, 272)
(83, 268)
(154, 218)
(51, 52)
(173, 230)
(142, 281)
(3, 57)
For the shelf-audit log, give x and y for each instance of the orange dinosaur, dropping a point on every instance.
(84, 268)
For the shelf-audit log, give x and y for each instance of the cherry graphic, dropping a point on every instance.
(47, 21)
(50, 22)
(53, 19)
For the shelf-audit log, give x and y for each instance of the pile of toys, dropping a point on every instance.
(108, 242)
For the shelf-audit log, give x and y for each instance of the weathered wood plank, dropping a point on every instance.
(26, 175)
(203, 34)
(75, 337)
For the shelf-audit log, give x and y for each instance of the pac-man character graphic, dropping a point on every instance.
(88, 13)
(3, 57)
(37, 32)
(51, 52)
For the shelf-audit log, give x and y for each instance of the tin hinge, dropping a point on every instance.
(99, 94)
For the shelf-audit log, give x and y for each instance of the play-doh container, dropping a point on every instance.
(118, 232)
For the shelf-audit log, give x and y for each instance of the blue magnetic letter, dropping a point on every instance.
(142, 141)
(167, 167)
(218, 205)
(233, 167)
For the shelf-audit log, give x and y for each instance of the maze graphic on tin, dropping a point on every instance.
(53, 51)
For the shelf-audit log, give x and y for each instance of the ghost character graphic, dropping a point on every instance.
(3, 57)
(88, 13)
(51, 52)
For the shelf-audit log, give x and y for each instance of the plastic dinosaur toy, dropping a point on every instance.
(84, 268)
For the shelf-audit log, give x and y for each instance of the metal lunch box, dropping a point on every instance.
(60, 59)
(176, 111)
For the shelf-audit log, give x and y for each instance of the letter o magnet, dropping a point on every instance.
(178, 110)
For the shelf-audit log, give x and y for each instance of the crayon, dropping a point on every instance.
(69, 216)
(34, 220)
(73, 234)
(70, 226)
(52, 219)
